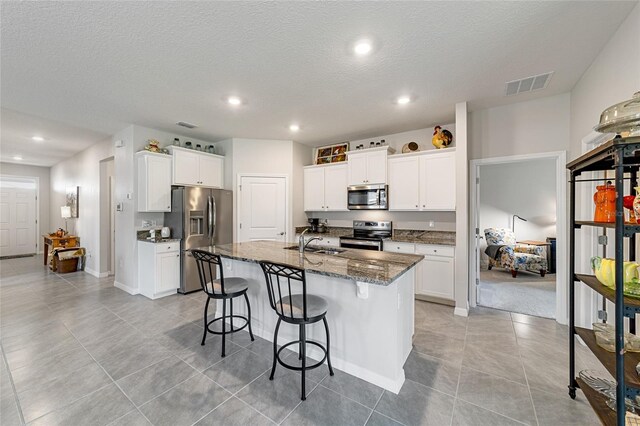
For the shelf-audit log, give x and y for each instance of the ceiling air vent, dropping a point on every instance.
(529, 84)
(187, 125)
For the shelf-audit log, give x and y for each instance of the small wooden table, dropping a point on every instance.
(53, 242)
(534, 243)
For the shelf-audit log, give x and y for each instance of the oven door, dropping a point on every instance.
(361, 244)
(367, 197)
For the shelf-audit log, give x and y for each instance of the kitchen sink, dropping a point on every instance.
(319, 250)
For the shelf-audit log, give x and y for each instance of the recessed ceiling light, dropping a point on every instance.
(37, 138)
(17, 158)
(234, 100)
(363, 47)
(403, 100)
(294, 127)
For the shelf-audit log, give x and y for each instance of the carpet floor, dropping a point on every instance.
(528, 293)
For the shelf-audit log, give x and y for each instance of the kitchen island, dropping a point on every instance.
(370, 296)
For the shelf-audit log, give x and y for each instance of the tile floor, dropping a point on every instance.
(78, 351)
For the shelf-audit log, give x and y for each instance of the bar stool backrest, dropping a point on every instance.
(208, 265)
(278, 278)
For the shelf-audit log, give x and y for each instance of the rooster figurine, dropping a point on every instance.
(441, 138)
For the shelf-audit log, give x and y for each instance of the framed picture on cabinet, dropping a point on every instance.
(332, 153)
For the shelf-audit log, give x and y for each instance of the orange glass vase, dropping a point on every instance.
(605, 199)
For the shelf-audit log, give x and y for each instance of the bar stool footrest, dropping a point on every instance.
(235, 329)
(308, 367)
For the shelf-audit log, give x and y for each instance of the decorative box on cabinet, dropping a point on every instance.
(158, 268)
(196, 168)
(325, 188)
(154, 182)
(368, 166)
(423, 181)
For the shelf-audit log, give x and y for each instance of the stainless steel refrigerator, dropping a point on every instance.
(199, 217)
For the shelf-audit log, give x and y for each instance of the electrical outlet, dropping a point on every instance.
(432, 224)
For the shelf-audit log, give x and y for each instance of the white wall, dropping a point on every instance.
(81, 170)
(540, 125)
(527, 189)
(106, 171)
(43, 175)
(614, 76)
(129, 220)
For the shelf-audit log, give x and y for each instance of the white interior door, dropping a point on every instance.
(262, 210)
(17, 221)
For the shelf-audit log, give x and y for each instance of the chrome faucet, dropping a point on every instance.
(301, 242)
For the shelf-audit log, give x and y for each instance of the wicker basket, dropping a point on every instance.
(65, 266)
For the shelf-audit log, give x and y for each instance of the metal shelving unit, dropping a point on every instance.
(621, 155)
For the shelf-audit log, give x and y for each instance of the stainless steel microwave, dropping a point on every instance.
(367, 197)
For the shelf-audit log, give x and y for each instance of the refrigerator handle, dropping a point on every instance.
(209, 216)
(213, 217)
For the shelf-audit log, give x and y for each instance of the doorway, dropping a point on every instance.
(18, 216)
(107, 217)
(263, 208)
(519, 212)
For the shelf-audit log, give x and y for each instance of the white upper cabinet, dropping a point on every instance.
(423, 182)
(438, 181)
(368, 166)
(335, 188)
(404, 178)
(314, 189)
(195, 168)
(325, 188)
(211, 171)
(154, 182)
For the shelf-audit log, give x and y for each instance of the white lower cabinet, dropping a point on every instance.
(435, 274)
(158, 268)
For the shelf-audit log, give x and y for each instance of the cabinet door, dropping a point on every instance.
(314, 189)
(335, 188)
(186, 168)
(211, 171)
(438, 182)
(436, 277)
(357, 164)
(377, 167)
(158, 182)
(168, 265)
(404, 180)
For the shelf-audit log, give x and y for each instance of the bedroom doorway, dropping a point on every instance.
(518, 211)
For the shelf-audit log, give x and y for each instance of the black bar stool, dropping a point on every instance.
(221, 289)
(299, 309)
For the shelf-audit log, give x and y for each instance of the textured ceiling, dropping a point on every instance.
(104, 65)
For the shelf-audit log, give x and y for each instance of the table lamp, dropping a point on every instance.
(65, 212)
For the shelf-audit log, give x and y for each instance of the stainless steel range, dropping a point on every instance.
(367, 235)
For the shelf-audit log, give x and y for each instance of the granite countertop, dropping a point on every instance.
(332, 231)
(375, 267)
(442, 238)
(159, 240)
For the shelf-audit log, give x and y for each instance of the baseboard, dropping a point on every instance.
(96, 273)
(462, 312)
(126, 288)
(433, 299)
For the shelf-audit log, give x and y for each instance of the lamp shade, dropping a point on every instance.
(65, 212)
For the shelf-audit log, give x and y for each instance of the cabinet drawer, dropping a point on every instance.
(395, 247)
(446, 251)
(167, 247)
